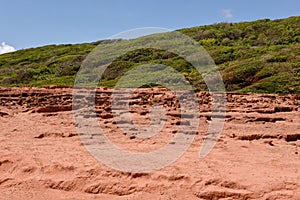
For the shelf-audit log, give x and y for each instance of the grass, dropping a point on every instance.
(261, 56)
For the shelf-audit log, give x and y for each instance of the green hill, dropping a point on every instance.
(261, 56)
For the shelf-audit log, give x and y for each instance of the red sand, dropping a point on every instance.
(41, 157)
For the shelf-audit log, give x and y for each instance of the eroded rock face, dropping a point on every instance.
(60, 99)
(42, 157)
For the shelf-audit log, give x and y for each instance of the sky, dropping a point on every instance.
(33, 23)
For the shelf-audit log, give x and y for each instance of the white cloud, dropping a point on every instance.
(227, 14)
(5, 48)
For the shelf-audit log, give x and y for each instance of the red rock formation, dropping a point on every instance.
(42, 157)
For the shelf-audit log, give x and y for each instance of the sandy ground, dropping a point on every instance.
(42, 157)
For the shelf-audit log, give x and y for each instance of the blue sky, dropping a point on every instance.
(31, 23)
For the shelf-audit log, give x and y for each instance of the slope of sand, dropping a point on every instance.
(41, 157)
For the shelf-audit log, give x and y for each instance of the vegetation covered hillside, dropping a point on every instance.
(261, 56)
